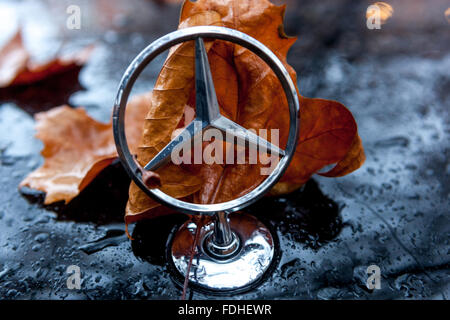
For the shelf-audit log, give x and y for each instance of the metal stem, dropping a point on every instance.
(222, 243)
(222, 231)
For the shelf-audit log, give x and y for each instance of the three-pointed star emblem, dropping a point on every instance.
(208, 115)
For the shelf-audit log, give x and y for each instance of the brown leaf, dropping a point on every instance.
(352, 160)
(248, 92)
(170, 96)
(13, 60)
(77, 148)
(326, 133)
(16, 67)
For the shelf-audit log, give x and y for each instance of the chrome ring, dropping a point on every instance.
(153, 50)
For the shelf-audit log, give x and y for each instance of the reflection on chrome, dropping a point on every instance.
(257, 250)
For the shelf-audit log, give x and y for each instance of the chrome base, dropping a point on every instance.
(235, 266)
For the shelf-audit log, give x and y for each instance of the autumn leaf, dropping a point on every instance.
(250, 94)
(167, 113)
(77, 148)
(17, 68)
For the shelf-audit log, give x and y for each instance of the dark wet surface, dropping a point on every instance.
(393, 212)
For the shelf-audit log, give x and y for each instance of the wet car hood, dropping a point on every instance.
(392, 213)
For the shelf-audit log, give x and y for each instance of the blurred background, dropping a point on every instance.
(393, 212)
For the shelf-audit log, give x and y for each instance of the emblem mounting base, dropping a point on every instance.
(240, 270)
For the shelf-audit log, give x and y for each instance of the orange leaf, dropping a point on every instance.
(170, 97)
(77, 148)
(16, 68)
(326, 133)
(352, 160)
(13, 60)
(249, 93)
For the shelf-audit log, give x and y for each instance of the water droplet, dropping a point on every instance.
(41, 237)
(393, 142)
